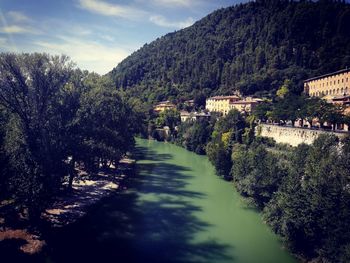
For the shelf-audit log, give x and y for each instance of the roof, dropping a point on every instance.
(185, 113)
(341, 97)
(243, 102)
(247, 101)
(203, 114)
(223, 97)
(328, 97)
(164, 103)
(329, 74)
(194, 114)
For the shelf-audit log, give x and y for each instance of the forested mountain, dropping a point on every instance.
(250, 47)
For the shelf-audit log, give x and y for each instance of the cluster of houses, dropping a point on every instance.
(333, 87)
(219, 104)
(224, 104)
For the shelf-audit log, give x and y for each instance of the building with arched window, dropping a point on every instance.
(332, 84)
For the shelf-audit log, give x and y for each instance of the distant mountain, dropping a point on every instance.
(250, 47)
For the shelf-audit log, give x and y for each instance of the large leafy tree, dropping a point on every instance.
(54, 117)
(311, 210)
(105, 124)
(31, 86)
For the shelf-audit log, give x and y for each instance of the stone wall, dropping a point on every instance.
(291, 135)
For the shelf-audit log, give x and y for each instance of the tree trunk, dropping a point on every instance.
(71, 173)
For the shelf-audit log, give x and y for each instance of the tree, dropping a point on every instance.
(283, 91)
(55, 117)
(199, 100)
(327, 112)
(170, 118)
(104, 123)
(219, 156)
(194, 135)
(31, 85)
(311, 210)
(261, 110)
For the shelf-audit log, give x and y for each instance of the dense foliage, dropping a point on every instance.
(54, 118)
(194, 136)
(303, 192)
(288, 107)
(311, 209)
(249, 47)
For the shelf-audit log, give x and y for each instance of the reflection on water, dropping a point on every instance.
(174, 210)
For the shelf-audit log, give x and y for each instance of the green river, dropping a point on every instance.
(174, 210)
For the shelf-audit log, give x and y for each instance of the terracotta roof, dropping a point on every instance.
(328, 75)
(223, 97)
(245, 102)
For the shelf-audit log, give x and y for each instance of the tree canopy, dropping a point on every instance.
(251, 47)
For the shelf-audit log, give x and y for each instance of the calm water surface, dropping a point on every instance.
(174, 210)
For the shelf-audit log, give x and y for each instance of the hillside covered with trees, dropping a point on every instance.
(250, 47)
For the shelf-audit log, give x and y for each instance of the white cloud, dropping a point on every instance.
(16, 29)
(172, 3)
(3, 41)
(107, 37)
(88, 55)
(162, 21)
(108, 9)
(17, 16)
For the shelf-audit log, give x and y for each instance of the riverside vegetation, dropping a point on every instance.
(253, 48)
(303, 192)
(53, 118)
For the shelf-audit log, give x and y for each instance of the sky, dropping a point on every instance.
(96, 34)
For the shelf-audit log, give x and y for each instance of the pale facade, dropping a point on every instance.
(246, 105)
(164, 105)
(220, 103)
(193, 116)
(333, 84)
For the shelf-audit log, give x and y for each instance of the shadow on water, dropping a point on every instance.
(141, 153)
(152, 221)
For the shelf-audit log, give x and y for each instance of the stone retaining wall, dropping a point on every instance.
(291, 135)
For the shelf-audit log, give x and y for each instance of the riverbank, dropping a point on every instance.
(174, 210)
(70, 206)
(301, 191)
(87, 191)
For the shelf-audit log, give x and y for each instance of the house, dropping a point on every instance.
(164, 105)
(193, 116)
(246, 105)
(220, 103)
(331, 84)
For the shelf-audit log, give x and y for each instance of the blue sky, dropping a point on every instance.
(96, 34)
